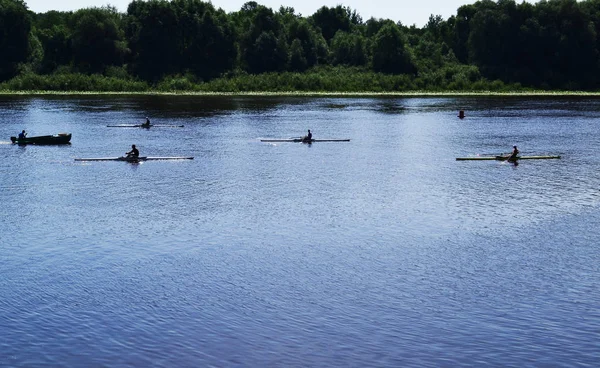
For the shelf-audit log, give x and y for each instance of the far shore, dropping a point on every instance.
(312, 94)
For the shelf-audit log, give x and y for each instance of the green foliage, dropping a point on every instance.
(176, 83)
(15, 27)
(348, 49)
(263, 43)
(268, 53)
(332, 20)
(72, 82)
(453, 77)
(98, 40)
(553, 44)
(390, 54)
(188, 45)
(297, 60)
(373, 26)
(56, 43)
(35, 53)
(320, 79)
(170, 37)
(312, 46)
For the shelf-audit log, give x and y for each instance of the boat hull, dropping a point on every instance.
(301, 140)
(62, 138)
(504, 158)
(144, 126)
(133, 159)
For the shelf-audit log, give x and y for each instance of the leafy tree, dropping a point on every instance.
(313, 47)
(428, 53)
(553, 44)
(263, 46)
(152, 31)
(206, 38)
(15, 28)
(490, 43)
(374, 25)
(269, 53)
(435, 26)
(55, 37)
(98, 39)
(348, 49)
(216, 45)
(573, 38)
(36, 54)
(297, 60)
(462, 30)
(390, 54)
(331, 20)
(592, 9)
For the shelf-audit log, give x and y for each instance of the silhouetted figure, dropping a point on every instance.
(134, 153)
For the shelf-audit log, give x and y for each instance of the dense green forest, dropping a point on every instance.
(189, 45)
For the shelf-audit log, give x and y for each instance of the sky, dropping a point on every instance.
(409, 12)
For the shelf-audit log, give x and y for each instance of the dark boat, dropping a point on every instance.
(62, 138)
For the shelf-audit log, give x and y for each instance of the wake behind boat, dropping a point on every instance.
(144, 126)
(298, 140)
(133, 159)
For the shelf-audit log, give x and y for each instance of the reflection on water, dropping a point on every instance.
(381, 251)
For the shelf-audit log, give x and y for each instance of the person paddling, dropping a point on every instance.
(134, 153)
(308, 137)
(146, 124)
(513, 155)
(22, 135)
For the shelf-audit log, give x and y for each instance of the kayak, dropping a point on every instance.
(133, 159)
(297, 140)
(504, 158)
(144, 126)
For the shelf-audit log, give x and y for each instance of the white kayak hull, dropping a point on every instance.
(144, 126)
(133, 159)
(298, 140)
(504, 158)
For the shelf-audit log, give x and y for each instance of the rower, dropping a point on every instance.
(134, 153)
(513, 155)
(22, 135)
(308, 137)
(147, 123)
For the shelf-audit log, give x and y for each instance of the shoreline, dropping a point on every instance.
(311, 93)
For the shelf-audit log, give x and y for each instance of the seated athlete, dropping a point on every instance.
(513, 155)
(134, 152)
(308, 137)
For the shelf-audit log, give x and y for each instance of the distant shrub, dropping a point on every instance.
(73, 82)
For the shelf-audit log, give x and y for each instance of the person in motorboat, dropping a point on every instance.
(22, 135)
(513, 155)
(307, 138)
(147, 123)
(134, 153)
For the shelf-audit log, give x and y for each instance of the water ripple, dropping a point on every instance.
(382, 251)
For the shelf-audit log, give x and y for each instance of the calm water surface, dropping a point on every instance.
(381, 252)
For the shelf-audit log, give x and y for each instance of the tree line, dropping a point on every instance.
(191, 45)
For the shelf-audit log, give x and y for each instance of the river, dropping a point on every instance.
(379, 252)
